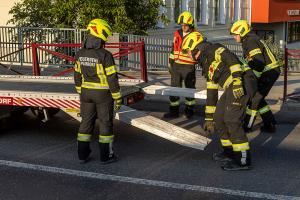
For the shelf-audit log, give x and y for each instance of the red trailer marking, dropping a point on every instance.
(19, 101)
(8, 101)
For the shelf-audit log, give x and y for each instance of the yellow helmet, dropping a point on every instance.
(192, 40)
(240, 27)
(185, 18)
(100, 29)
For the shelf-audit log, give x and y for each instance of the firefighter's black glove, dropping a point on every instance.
(237, 88)
(118, 104)
(209, 127)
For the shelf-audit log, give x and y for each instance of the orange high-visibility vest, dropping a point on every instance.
(178, 55)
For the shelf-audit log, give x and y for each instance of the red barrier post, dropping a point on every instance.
(285, 73)
(144, 74)
(36, 71)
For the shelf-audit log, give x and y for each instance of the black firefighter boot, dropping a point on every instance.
(269, 122)
(241, 161)
(173, 112)
(189, 111)
(83, 151)
(224, 156)
(268, 128)
(107, 154)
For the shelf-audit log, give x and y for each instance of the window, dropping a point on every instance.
(199, 10)
(237, 9)
(245, 10)
(293, 31)
(162, 14)
(192, 7)
(217, 10)
(205, 12)
(177, 9)
(240, 9)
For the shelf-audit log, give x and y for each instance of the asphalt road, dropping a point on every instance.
(39, 161)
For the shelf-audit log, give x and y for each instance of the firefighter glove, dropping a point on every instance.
(209, 127)
(243, 60)
(237, 88)
(118, 104)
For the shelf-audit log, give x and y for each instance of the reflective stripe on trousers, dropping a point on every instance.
(106, 139)
(82, 137)
(226, 143)
(241, 147)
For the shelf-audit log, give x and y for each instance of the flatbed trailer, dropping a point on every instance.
(43, 93)
(46, 94)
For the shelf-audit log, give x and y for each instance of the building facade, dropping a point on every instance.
(5, 6)
(213, 17)
(209, 12)
(279, 19)
(275, 19)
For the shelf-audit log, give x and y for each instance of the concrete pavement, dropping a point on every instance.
(276, 162)
(38, 160)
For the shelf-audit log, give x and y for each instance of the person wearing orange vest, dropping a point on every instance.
(182, 67)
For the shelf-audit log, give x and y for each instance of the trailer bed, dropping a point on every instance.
(59, 92)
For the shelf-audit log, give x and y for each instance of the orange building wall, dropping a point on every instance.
(268, 11)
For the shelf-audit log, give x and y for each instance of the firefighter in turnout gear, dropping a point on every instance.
(262, 61)
(182, 67)
(97, 83)
(224, 116)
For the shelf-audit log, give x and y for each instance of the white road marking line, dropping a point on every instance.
(147, 182)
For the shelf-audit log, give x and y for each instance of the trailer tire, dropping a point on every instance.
(17, 112)
(5, 124)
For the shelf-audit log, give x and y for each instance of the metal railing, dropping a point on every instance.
(295, 54)
(123, 48)
(294, 64)
(157, 49)
(16, 38)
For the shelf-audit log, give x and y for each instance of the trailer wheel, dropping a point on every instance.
(18, 111)
(39, 113)
(6, 124)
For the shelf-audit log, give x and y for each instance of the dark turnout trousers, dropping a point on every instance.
(258, 103)
(96, 104)
(228, 119)
(186, 74)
